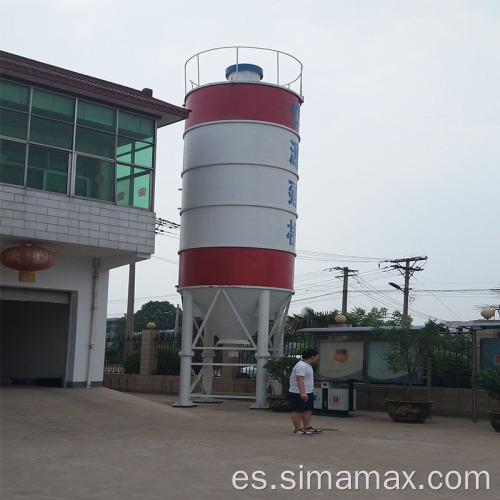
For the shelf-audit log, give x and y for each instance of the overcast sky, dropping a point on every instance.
(400, 131)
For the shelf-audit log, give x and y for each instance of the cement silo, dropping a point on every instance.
(239, 210)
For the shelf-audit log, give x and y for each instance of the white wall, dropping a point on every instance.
(75, 274)
(76, 231)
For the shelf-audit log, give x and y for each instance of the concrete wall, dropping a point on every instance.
(447, 401)
(78, 273)
(169, 384)
(41, 215)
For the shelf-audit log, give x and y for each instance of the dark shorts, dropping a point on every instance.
(298, 404)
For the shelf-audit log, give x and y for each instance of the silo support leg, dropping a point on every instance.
(208, 357)
(186, 352)
(262, 354)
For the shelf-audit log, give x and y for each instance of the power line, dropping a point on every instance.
(166, 260)
(146, 298)
(410, 267)
(445, 305)
(161, 226)
(429, 291)
(346, 273)
(321, 256)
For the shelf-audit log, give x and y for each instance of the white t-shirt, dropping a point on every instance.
(305, 370)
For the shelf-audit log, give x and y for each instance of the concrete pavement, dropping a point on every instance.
(102, 444)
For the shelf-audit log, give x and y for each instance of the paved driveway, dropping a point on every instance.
(101, 444)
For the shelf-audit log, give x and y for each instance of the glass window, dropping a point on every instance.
(12, 155)
(51, 132)
(53, 105)
(95, 116)
(95, 143)
(123, 180)
(47, 169)
(95, 178)
(14, 96)
(136, 126)
(131, 151)
(133, 186)
(13, 124)
(43, 129)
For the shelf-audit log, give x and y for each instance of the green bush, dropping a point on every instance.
(488, 380)
(450, 370)
(168, 361)
(114, 352)
(280, 369)
(132, 362)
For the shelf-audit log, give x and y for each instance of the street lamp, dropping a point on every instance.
(406, 292)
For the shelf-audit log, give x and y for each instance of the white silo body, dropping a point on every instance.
(238, 215)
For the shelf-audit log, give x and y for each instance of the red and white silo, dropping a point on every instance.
(238, 216)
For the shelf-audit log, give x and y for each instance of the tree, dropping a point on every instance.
(374, 317)
(121, 326)
(309, 318)
(160, 312)
(409, 349)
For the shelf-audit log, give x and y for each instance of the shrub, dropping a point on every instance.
(489, 380)
(280, 369)
(114, 350)
(132, 363)
(168, 361)
(450, 370)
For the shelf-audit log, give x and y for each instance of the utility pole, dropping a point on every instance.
(161, 226)
(407, 267)
(129, 329)
(346, 272)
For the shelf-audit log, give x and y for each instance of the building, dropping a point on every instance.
(77, 175)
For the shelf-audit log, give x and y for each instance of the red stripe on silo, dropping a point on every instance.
(243, 101)
(221, 266)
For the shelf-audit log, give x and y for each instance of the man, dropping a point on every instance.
(301, 393)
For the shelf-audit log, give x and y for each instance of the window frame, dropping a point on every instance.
(74, 153)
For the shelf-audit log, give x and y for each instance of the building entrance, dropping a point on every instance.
(34, 337)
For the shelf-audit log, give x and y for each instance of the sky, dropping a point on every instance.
(400, 127)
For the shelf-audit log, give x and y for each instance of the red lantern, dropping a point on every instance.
(27, 259)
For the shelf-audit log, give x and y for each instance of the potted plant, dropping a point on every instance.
(489, 381)
(409, 350)
(280, 369)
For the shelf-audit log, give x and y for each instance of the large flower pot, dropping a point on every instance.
(409, 411)
(495, 420)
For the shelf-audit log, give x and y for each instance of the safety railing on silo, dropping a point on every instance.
(280, 68)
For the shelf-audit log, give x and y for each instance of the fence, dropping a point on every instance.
(451, 359)
(119, 353)
(123, 355)
(166, 354)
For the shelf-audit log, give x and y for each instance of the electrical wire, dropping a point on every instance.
(308, 284)
(321, 256)
(439, 300)
(166, 260)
